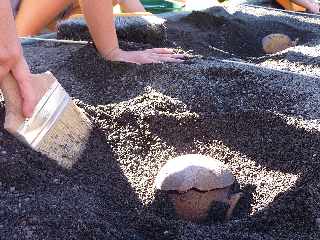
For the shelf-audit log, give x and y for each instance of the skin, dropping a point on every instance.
(106, 41)
(35, 15)
(130, 5)
(30, 21)
(311, 5)
(12, 60)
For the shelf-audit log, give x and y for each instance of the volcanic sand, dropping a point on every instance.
(262, 123)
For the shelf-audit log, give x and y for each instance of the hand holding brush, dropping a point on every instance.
(38, 110)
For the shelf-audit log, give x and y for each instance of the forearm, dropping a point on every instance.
(34, 15)
(10, 50)
(99, 17)
(131, 6)
(309, 4)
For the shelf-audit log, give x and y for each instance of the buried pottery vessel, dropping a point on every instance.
(277, 42)
(194, 183)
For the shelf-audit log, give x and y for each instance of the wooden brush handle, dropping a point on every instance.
(13, 103)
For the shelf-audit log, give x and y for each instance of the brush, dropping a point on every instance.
(133, 27)
(57, 127)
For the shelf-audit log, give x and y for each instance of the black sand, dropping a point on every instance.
(262, 123)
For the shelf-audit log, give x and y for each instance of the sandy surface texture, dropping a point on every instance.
(261, 122)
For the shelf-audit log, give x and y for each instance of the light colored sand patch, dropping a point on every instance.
(268, 183)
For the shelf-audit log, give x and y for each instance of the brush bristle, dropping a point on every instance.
(67, 138)
(140, 29)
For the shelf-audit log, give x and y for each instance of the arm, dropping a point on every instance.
(131, 6)
(310, 5)
(10, 51)
(98, 14)
(12, 60)
(34, 15)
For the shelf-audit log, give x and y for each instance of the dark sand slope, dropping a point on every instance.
(262, 123)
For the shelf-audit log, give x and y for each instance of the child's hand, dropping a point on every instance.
(153, 55)
(313, 7)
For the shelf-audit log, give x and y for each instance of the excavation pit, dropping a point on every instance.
(263, 123)
(217, 33)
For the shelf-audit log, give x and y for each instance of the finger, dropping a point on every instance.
(22, 74)
(160, 58)
(169, 59)
(150, 57)
(147, 60)
(3, 72)
(132, 61)
(172, 55)
(161, 50)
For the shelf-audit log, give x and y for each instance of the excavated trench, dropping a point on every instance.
(213, 34)
(262, 123)
(233, 33)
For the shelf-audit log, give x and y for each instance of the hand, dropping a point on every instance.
(28, 92)
(313, 6)
(153, 55)
(8, 57)
(12, 61)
